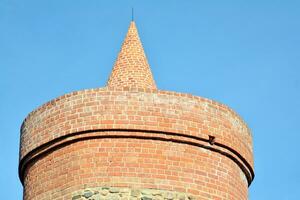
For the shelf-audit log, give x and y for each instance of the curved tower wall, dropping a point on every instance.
(135, 143)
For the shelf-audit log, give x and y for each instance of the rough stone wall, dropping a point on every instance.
(114, 193)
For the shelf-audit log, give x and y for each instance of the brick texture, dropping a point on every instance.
(134, 163)
(131, 135)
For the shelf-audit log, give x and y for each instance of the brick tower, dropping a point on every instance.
(129, 140)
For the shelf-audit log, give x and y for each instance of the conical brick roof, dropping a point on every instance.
(131, 69)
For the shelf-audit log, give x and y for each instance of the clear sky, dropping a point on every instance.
(242, 53)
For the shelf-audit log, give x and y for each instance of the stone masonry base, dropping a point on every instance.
(116, 193)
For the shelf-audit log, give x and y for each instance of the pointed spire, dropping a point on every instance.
(131, 69)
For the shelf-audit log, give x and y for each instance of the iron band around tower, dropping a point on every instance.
(137, 114)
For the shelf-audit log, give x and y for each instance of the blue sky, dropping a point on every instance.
(242, 53)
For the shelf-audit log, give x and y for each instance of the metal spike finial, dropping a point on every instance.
(132, 14)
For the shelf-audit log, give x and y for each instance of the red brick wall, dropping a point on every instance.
(80, 140)
(137, 163)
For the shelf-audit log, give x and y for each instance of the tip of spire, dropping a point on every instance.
(132, 14)
(131, 69)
